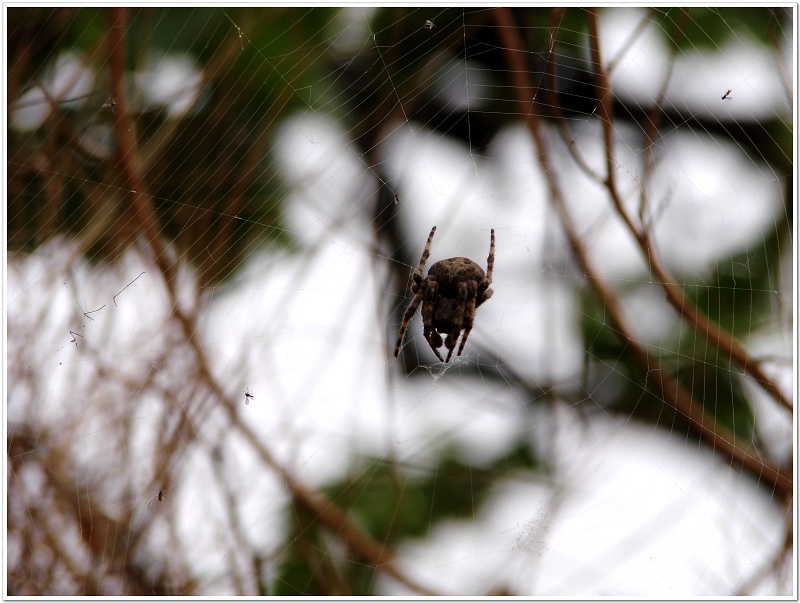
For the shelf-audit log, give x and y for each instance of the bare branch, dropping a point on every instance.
(673, 394)
(125, 287)
(675, 294)
(379, 555)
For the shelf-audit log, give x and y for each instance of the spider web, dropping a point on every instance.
(212, 219)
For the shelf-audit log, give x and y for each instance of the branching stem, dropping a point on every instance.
(673, 393)
(675, 294)
(378, 555)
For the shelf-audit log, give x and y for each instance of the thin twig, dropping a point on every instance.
(706, 426)
(648, 162)
(553, 101)
(675, 294)
(73, 296)
(86, 314)
(125, 287)
(379, 555)
(772, 565)
(647, 19)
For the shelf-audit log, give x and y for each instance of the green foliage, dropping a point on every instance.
(87, 29)
(690, 359)
(214, 190)
(718, 387)
(740, 290)
(392, 507)
(698, 28)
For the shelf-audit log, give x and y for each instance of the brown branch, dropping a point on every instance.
(704, 425)
(782, 556)
(648, 162)
(106, 539)
(379, 555)
(553, 100)
(655, 119)
(675, 294)
(128, 160)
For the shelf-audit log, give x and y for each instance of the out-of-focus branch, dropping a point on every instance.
(106, 539)
(673, 394)
(648, 162)
(646, 20)
(379, 555)
(772, 565)
(130, 167)
(128, 161)
(675, 295)
(552, 97)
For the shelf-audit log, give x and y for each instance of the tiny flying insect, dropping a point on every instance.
(727, 96)
(248, 395)
(157, 498)
(428, 24)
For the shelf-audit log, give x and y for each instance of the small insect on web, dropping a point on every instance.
(428, 24)
(727, 96)
(156, 499)
(248, 395)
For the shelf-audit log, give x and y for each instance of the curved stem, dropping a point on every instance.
(675, 294)
(673, 393)
(377, 554)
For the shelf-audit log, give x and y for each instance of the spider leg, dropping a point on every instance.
(432, 341)
(431, 334)
(484, 292)
(425, 253)
(463, 294)
(412, 307)
(463, 340)
(431, 293)
(490, 260)
(469, 314)
(419, 292)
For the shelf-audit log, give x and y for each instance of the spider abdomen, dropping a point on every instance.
(448, 273)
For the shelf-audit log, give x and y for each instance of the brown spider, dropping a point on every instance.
(450, 294)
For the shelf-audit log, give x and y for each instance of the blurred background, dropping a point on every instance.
(212, 219)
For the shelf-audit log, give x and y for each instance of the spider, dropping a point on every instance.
(449, 294)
